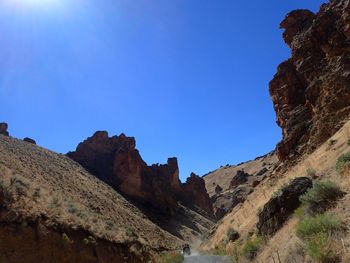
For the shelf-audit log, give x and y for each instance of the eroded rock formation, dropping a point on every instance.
(116, 161)
(194, 193)
(311, 90)
(240, 178)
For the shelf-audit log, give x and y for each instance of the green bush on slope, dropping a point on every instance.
(343, 163)
(322, 195)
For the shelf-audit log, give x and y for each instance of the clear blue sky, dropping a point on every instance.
(187, 78)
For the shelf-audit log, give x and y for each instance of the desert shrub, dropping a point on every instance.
(320, 247)
(300, 212)
(172, 257)
(83, 214)
(343, 162)
(6, 197)
(66, 238)
(19, 185)
(320, 196)
(36, 193)
(89, 240)
(313, 225)
(219, 250)
(349, 142)
(72, 208)
(252, 247)
(130, 232)
(232, 234)
(55, 202)
(109, 225)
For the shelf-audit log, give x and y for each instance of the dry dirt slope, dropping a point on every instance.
(244, 218)
(230, 185)
(44, 194)
(224, 175)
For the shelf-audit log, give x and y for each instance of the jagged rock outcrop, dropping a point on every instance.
(3, 129)
(194, 193)
(311, 90)
(278, 209)
(116, 161)
(226, 201)
(240, 178)
(29, 140)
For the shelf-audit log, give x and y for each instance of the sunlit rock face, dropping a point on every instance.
(116, 161)
(311, 90)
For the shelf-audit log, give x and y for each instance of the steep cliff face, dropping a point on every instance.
(311, 90)
(116, 161)
(194, 193)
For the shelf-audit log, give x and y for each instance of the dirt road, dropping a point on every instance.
(206, 259)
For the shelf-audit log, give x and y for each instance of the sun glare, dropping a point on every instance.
(32, 3)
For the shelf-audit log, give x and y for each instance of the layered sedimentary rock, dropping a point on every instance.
(311, 90)
(116, 161)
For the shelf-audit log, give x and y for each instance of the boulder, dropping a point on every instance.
(279, 208)
(226, 201)
(3, 129)
(29, 140)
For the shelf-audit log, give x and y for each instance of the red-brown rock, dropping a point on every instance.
(116, 161)
(194, 193)
(311, 90)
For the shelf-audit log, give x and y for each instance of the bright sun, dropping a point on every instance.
(32, 3)
(38, 2)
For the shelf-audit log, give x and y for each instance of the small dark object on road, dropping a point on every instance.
(186, 250)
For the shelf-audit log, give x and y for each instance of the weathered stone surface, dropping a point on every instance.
(3, 129)
(218, 189)
(226, 201)
(249, 174)
(194, 193)
(29, 140)
(311, 90)
(240, 178)
(278, 209)
(116, 161)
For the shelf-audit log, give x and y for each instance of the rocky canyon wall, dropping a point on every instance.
(311, 90)
(116, 161)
